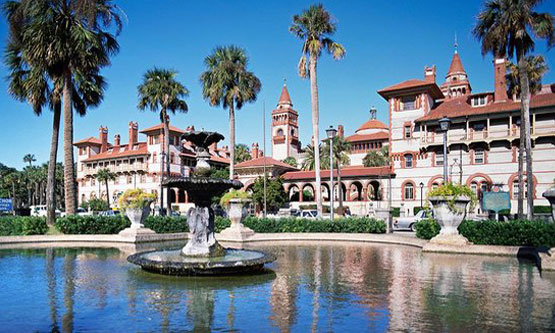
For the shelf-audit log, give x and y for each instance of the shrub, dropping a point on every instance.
(74, 224)
(542, 209)
(396, 211)
(220, 223)
(233, 194)
(22, 226)
(416, 209)
(136, 198)
(513, 233)
(96, 205)
(291, 224)
(427, 228)
(167, 224)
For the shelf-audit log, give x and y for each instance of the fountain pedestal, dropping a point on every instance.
(137, 229)
(202, 242)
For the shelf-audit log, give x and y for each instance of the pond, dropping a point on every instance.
(321, 286)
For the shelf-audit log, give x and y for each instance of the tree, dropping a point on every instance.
(105, 175)
(227, 81)
(160, 91)
(242, 153)
(309, 162)
(29, 158)
(340, 157)
(314, 27)
(275, 194)
(377, 158)
(535, 67)
(291, 161)
(505, 28)
(69, 41)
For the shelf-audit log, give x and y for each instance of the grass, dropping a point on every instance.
(53, 231)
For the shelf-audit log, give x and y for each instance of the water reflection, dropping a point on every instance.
(319, 287)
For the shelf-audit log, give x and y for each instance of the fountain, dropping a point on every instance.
(202, 255)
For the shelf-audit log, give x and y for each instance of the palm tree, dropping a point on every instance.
(227, 81)
(341, 148)
(377, 158)
(161, 92)
(505, 28)
(291, 161)
(71, 42)
(37, 30)
(315, 27)
(309, 162)
(535, 67)
(105, 175)
(242, 153)
(29, 158)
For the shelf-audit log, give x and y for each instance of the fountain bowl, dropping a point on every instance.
(172, 262)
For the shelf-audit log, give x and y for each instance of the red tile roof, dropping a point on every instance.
(355, 171)
(91, 140)
(284, 97)
(118, 152)
(368, 137)
(461, 107)
(373, 124)
(161, 126)
(456, 65)
(412, 84)
(258, 162)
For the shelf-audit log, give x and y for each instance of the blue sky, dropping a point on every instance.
(386, 41)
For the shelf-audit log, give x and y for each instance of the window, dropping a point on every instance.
(474, 188)
(439, 159)
(116, 180)
(279, 132)
(93, 182)
(408, 103)
(154, 157)
(142, 179)
(129, 179)
(479, 101)
(515, 189)
(408, 161)
(172, 158)
(479, 156)
(408, 132)
(408, 191)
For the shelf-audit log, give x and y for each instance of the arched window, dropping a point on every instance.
(408, 191)
(279, 132)
(408, 161)
(154, 157)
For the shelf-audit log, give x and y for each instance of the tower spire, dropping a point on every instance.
(373, 112)
(456, 45)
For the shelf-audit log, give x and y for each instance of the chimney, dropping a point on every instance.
(340, 131)
(117, 140)
(133, 134)
(255, 151)
(500, 88)
(430, 74)
(103, 136)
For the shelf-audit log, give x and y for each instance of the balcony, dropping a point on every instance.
(122, 168)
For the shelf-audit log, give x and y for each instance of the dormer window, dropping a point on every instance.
(408, 103)
(479, 101)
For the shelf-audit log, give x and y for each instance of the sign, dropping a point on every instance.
(496, 201)
(6, 205)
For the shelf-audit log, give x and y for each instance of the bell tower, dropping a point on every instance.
(456, 81)
(285, 128)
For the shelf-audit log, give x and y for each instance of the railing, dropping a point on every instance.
(116, 168)
(488, 135)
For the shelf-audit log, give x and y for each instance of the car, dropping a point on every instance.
(40, 210)
(409, 222)
(109, 213)
(308, 214)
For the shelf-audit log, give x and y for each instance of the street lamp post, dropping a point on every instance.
(331, 132)
(421, 198)
(444, 125)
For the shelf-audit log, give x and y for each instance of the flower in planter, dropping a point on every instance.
(233, 194)
(135, 199)
(451, 192)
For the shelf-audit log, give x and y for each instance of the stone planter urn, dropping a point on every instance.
(137, 216)
(449, 218)
(548, 258)
(237, 211)
(550, 196)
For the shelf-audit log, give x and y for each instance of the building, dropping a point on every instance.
(137, 164)
(482, 141)
(285, 128)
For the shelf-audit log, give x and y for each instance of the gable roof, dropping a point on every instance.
(258, 162)
(161, 127)
(91, 140)
(412, 84)
(367, 137)
(139, 149)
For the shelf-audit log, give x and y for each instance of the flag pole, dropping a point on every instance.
(264, 150)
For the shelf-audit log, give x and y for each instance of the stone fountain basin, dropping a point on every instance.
(174, 263)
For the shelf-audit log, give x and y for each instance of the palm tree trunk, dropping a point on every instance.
(107, 194)
(526, 138)
(315, 131)
(231, 140)
(69, 177)
(340, 188)
(167, 157)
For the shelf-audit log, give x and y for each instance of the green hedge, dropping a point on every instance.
(291, 224)
(22, 225)
(542, 209)
(114, 224)
(512, 233)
